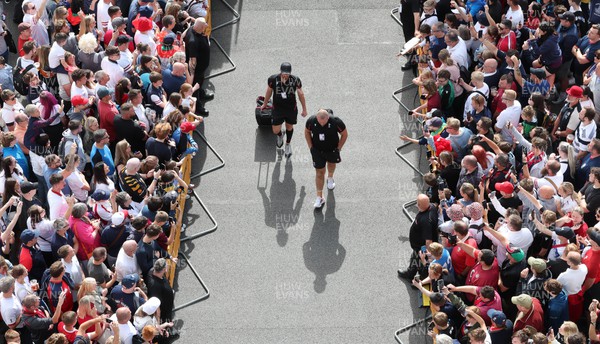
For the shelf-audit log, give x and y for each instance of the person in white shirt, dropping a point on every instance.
(22, 285)
(72, 266)
(511, 114)
(56, 57)
(126, 328)
(515, 14)
(145, 33)
(572, 279)
(511, 232)
(457, 49)
(32, 15)
(78, 86)
(126, 261)
(58, 202)
(103, 21)
(136, 99)
(10, 109)
(10, 306)
(126, 59)
(76, 180)
(585, 132)
(111, 66)
(479, 87)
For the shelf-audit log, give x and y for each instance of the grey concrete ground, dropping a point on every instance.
(279, 272)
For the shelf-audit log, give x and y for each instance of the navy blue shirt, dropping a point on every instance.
(172, 83)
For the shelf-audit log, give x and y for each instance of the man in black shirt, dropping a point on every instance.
(423, 231)
(591, 197)
(158, 286)
(283, 88)
(197, 50)
(410, 16)
(129, 128)
(325, 136)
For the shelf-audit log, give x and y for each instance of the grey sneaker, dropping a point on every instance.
(280, 139)
(319, 203)
(288, 150)
(330, 183)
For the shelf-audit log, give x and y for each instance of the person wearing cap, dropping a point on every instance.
(501, 328)
(567, 37)
(531, 312)
(125, 293)
(146, 315)
(126, 57)
(115, 234)
(31, 257)
(510, 271)
(145, 33)
(197, 52)
(111, 66)
(107, 111)
(325, 136)
(118, 27)
(104, 203)
(283, 87)
(169, 45)
(184, 141)
(533, 279)
(537, 84)
(557, 310)
(583, 52)
(503, 188)
(158, 286)
(568, 118)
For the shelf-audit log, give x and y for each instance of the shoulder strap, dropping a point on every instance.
(477, 91)
(551, 182)
(118, 236)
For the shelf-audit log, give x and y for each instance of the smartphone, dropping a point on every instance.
(440, 284)
(480, 34)
(423, 249)
(492, 194)
(417, 279)
(109, 320)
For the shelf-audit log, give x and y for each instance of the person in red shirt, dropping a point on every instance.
(24, 36)
(530, 313)
(461, 261)
(107, 111)
(508, 38)
(67, 325)
(574, 220)
(486, 298)
(485, 272)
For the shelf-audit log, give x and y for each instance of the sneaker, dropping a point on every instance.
(288, 150)
(330, 183)
(319, 203)
(280, 140)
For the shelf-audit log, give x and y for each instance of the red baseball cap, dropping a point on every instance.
(187, 127)
(79, 100)
(505, 187)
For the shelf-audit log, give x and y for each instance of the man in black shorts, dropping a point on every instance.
(283, 88)
(325, 135)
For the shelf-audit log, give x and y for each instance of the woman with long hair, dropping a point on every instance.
(90, 125)
(566, 157)
(147, 165)
(12, 149)
(432, 98)
(174, 102)
(39, 222)
(122, 155)
(10, 169)
(174, 118)
(122, 88)
(11, 189)
(100, 180)
(47, 76)
(49, 108)
(89, 287)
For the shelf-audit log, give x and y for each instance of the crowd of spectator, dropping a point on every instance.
(97, 115)
(506, 241)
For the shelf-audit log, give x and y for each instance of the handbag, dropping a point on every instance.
(10, 42)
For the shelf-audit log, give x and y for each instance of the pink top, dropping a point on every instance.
(84, 232)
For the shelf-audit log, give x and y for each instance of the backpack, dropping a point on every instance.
(18, 73)
(465, 74)
(61, 147)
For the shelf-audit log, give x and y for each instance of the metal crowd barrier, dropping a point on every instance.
(188, 177)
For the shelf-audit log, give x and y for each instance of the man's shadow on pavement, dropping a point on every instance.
(280, 211)
(323, 254)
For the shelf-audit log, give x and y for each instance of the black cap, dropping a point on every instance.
(286, 68)
(539, 72)
(568, 16)
(28, 186)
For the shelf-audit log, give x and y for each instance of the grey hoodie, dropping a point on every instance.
(68, 138)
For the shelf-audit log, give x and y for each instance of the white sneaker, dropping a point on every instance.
(288, 150)
(319, 203)
(330, 184)
(280, 140)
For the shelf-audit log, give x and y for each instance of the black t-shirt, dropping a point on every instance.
(161, 150)
(160, 288)
(325, 138)
(423, 228)
(132, 132)
(592, 198)
(557, 267)
(450, 174)
(198, 46)
(113, 237)
(510, 275)
(284, 94)
(134, 185)
(511, 202)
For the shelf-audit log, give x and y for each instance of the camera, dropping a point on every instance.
(441, 182)
(452, 239)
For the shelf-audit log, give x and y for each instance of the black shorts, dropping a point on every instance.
(320, 158)
(287, 116)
